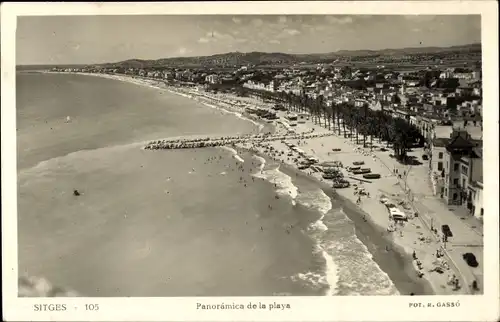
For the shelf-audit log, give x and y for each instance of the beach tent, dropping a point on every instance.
(312, 159)
(397, 214)
(299, 151)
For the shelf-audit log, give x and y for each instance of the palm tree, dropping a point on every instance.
(319, 108)
(364, 121)
(343, 115)
(328, 115)
(339, 110)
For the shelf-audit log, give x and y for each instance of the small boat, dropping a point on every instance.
(371, 176)
(341, 184)
(362, 171)
(68, 119)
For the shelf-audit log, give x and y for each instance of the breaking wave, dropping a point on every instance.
(358, 273)
(234, 153)
(32, 286)
(283, 182)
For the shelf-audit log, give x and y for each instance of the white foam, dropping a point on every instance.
(317, 200)
(284, 183)
(329, 279)
(331, 273)
(311, 278)
(262, 162)
(356, 264)
(234, 153)
(318, 225)
(33, 286)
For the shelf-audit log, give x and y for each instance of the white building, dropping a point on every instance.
(476, 189)
(212, 79)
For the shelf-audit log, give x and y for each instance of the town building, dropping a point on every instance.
(212, 79)
(457, 166)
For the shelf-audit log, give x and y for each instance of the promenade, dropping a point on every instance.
(433, 212)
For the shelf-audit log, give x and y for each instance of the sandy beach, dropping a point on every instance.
(408, 247)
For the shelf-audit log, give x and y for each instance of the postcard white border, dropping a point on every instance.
(365, 308)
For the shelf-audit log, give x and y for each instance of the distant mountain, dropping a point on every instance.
(233, 58)
(397, 52)
(263, 58)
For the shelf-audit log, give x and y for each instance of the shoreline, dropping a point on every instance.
(405, 280)
(396, 262)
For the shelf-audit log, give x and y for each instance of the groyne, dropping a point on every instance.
(168, 144)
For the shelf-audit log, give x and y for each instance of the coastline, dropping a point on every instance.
(396, 262)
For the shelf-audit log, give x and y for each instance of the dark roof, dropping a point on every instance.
(440, 142)
(459, 142)
(462, 145)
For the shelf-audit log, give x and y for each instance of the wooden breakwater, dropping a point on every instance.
(208, 142)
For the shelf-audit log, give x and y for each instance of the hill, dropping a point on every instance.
(264, 58)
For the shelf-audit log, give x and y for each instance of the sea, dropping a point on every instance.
(200, 222)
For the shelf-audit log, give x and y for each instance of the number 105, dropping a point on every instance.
(91, 307)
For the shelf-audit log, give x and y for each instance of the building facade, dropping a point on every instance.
(459, 167)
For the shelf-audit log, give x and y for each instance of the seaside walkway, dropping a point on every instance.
(433, 213)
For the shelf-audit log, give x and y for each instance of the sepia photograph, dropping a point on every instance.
(249, 155)
(256, 158)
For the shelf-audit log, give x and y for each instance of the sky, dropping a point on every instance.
(100, 39)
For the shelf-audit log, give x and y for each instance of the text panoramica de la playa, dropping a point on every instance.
(271, 306)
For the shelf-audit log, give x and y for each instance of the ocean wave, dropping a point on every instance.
(327, 280)
(318, 225)
(234, 153)
(316, 280)
(358, 273)
(317, 200)
(262, 162)
(80, 155)
(283, 182)
(332, 272)
(33, 286)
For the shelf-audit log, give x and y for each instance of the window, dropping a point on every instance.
(455, 167)
(463, 183)
(465, 169)
(455, 196)
(482, 212)
(455, 181)
(440, 166)
(440, 155)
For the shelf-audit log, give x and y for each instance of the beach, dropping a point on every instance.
(312, 215)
